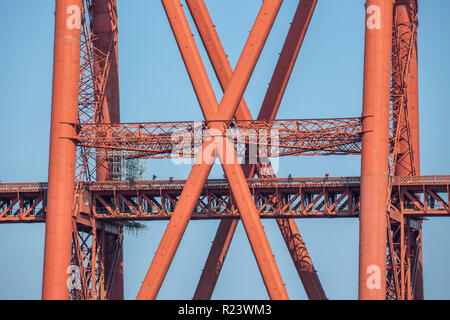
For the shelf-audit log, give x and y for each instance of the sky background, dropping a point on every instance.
(154, 86)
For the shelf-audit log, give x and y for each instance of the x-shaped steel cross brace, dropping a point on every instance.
(222, 113)
(269, 108)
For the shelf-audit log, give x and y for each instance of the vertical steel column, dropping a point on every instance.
(418, 285)
(413, 107)
(413, 112)
(404, 88)
(61, 176)
(374, 155)
(413, 90)
(113, 251)
(104, 28)
(406, 17)
(106, 70)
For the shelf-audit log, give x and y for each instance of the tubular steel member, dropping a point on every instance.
(227, 107)
(404, 276)
(106, 75)
(93, 257)
(97, 73)
(106, 51)
(113, 264)
(177, 225)
(374, 155)
(268, 111)
(413, 100)
(405, 87)
(253, 227)
(288, 57)
(209, 36)
(58, 232)
(402, 154)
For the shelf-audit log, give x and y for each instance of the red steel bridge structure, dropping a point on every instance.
(83, 209)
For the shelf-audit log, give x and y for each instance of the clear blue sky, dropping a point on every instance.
(154, 86)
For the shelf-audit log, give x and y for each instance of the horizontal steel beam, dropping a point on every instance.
(320, 197)
(184, 139)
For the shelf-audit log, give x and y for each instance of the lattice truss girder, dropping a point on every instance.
(92, 277)
(98, 54)
(217, 202)
(403, 43)
(420, 196)
(269, 138)
(404, 257)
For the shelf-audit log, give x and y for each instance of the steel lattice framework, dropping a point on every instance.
(184, 139)
(84, 210)
(412, 196)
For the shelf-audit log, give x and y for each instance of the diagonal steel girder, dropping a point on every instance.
(269, 108)
(200, 170)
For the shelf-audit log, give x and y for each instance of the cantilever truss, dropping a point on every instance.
(229, 132)
(295, 138)
(156, 140)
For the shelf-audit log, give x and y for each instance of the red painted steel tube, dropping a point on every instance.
(116, 289)
(253, 227)
(200, 170)
(413, 113)
(224, 72)
(374, 156)
(413, 102)
(230, 101)
(301, 258)
(413, 108)
(216, 258)
(404, 18)
(191, 57)
(288, 57)
(58, 231)
(404, 14)
(215, 51)
(245, 66)
(104, 27)
(174, 230)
